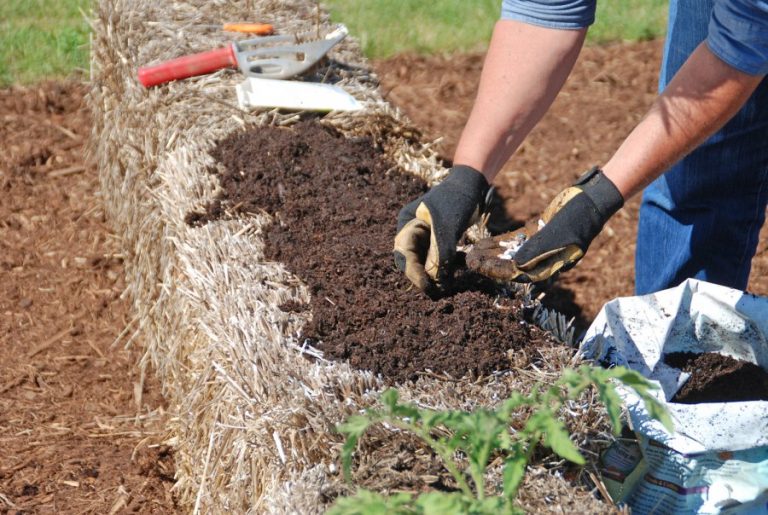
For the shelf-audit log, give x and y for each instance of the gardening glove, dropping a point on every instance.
(571, 222)
(429, 228)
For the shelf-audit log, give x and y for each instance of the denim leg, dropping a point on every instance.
(702, 218)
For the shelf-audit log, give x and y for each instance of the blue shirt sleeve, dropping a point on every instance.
(738, 34)
(555, 14)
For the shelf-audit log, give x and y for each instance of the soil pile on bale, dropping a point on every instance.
(718, 378)
(335, 206)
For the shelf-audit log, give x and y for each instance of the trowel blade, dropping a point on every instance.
(305, 96)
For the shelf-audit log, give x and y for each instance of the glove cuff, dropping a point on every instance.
(472, 181)
(603, 193)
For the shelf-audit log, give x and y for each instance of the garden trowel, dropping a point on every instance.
(270, 57)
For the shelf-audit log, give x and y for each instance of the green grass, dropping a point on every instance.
(49, 38)
(388, 27)
(42, 39)
(629, 20)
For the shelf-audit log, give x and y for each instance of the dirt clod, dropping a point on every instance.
(718, 378)
(335, 204)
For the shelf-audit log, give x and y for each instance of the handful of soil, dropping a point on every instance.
(718, 378)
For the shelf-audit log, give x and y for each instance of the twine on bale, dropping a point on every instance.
(253, 424)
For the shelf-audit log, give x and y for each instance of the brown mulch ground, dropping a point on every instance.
(334, 202)
(606, 95)
(77, 431)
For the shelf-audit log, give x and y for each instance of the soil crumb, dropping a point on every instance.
(718, 378)
(335, 201)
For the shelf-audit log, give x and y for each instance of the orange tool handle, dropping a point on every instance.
(188, 66)
(260, 29)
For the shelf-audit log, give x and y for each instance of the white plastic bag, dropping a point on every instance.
(717, 459)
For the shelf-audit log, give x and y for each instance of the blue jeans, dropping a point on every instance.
(702, 218)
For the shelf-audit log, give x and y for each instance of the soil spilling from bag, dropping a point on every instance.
(718, 378)
(335, 201)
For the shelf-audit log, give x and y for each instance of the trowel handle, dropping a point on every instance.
(188, 66)
(260, 29)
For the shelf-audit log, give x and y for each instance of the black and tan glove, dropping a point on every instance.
(429, 228)
(572, 220)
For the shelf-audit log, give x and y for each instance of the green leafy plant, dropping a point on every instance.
(466, 442)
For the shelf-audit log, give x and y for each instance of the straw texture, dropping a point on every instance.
(253, 419)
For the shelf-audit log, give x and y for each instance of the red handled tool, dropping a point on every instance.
(266, 57)
(188, 66)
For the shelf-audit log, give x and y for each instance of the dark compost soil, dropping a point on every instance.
(718, 378)
(335, 201)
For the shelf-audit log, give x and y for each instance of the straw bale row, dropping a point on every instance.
(253, 420)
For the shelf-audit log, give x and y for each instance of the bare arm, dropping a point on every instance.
(704, 94)
(524, 69)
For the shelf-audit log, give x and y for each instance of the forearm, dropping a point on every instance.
(700, 99)
(524, 69)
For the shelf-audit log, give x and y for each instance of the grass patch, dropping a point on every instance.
(389, 27)
(42, 39)
(49, 38)
(629, 20)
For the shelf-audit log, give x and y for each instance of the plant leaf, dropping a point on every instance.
(514, 470)
(355, 425)
(641, 385)
(490, 506)
(612, 403)
(389, 398)
(365, 502)
(633, 378)
(572, 377)
(658, 411)
(353, 429)
(441, 503)
(515, 400)
(557, 438)
(430, 419)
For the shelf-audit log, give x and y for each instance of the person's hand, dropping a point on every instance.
(572, 220)
(429, 228)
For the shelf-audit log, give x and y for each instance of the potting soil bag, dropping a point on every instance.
(717, 459)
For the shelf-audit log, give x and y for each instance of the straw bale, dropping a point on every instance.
(253, 419)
